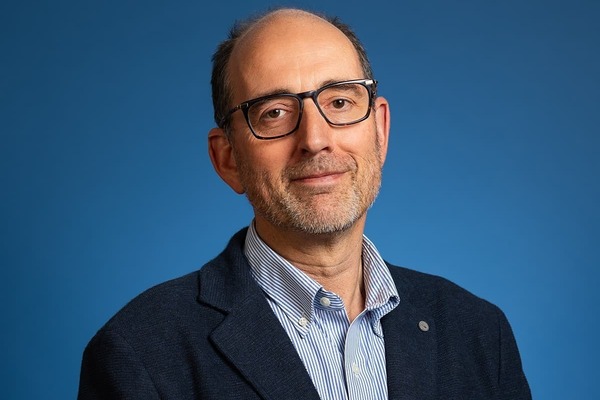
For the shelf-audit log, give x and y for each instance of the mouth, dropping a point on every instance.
(320, 178)
(320, 174)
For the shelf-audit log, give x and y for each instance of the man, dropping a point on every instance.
(300, 305)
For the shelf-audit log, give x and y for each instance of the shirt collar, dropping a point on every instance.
(294, 291)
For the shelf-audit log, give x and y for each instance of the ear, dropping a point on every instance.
(382, 121)
(223, 159)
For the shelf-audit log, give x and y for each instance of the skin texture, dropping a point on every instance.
(310, 191)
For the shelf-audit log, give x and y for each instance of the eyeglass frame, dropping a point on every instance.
(369, 84)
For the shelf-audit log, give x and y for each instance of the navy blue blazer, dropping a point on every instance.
(212, 335)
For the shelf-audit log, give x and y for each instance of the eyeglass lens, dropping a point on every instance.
(340, 105)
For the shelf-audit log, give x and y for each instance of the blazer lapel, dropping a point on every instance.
(410, 351)
(250, 336)
(253, 340)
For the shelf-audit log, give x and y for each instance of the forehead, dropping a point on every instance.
(292, 52)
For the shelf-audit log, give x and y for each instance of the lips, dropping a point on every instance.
(318, 169)
(318, 175)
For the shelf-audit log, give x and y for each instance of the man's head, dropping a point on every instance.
(322, 177)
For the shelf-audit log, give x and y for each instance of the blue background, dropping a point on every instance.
(107, 189)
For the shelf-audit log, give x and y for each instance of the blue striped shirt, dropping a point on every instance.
(344, 360)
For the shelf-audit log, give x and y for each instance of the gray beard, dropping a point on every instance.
(291, 211)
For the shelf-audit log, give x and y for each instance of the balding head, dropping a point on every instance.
(289, 15)
(246, 36)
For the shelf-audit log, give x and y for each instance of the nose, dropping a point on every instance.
(314, 134)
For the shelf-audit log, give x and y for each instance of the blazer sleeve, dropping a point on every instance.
(511, 380)
(111, 370)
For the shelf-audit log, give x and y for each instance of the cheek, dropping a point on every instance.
(261, 162)
(268, 155)
(363, 145)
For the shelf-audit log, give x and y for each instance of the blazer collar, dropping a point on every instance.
(250, 336)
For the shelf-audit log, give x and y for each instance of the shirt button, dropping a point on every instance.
(302, 322)
(325, 302)
(355, 368)
(424, 326)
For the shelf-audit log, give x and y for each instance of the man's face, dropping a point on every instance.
(320, 179)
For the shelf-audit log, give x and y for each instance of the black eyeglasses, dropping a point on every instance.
(278, 115)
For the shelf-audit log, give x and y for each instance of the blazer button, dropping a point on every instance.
(424, 326)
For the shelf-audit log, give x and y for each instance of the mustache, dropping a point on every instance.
(319, 166)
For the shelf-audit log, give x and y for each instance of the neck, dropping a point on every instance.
(333, 260)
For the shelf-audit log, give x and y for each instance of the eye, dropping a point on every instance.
(272, 109)
(339, 103)
(274, 113)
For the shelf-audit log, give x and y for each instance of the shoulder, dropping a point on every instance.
(444, 299)
(176, 300)
(469, 331)
(164, 303)
(426, 288)
(193, 302)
